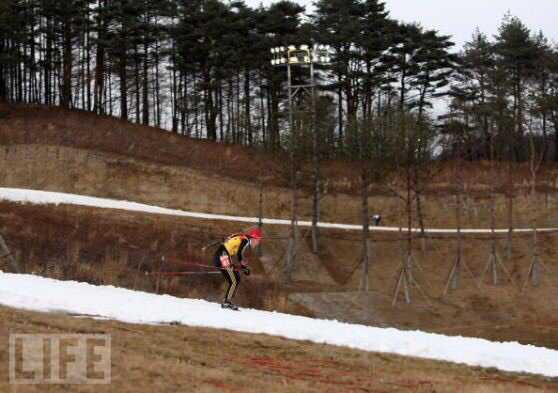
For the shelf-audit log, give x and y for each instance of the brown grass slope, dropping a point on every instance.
(22, 124)
(39, 124)
(148, 359)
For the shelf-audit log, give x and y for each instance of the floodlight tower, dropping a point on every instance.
(304, 56)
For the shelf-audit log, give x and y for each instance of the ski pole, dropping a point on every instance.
(179, 273)
(211, 245)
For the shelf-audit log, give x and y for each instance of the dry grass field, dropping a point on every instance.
(147, 359)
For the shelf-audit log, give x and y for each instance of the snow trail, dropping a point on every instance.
(42, 294)
(57, 198)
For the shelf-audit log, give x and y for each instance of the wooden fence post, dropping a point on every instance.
(5, 253)
(159, 274)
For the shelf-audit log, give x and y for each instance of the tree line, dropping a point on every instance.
(201, 68)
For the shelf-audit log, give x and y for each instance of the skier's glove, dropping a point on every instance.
(246, 270)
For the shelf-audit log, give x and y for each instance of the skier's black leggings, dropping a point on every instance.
(231, 276)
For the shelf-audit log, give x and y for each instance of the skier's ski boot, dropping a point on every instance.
(229, 305)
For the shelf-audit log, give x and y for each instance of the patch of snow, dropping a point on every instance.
(58, 198)
(43, 294)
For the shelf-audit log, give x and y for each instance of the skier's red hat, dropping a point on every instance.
(254, 233)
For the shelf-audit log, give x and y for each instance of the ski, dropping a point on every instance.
(230, 306)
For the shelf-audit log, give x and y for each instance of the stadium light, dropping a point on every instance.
(302, 55)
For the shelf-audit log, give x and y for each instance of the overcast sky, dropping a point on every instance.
(460, 18)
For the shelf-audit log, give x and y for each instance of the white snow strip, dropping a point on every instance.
(42, 294)
(56, 198)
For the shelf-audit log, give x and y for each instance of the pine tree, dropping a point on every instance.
(200, 35)
(359, 33)
(541, 79)
(436, 65)
(121, 24)
(517, 55)
(339, 25)
(472, 88)
(551, 99)
(276, 26)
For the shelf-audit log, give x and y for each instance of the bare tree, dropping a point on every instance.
(535, 160)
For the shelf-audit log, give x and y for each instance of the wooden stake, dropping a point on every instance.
(5, 253)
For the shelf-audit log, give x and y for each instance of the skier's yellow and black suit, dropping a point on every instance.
(233, 245)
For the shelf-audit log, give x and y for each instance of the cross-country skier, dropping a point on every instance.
(235, 245)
